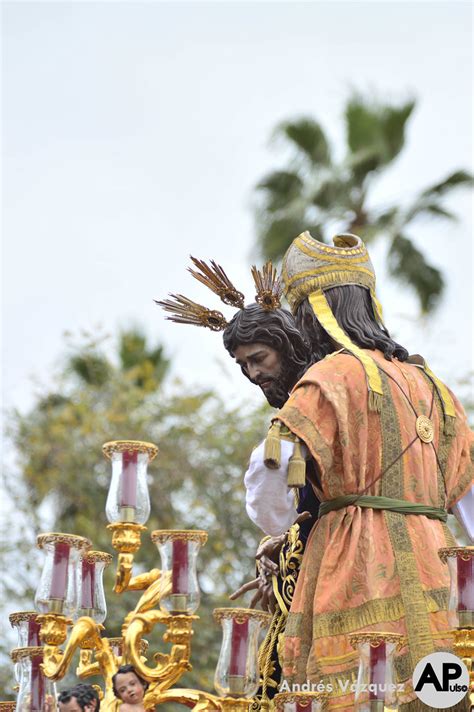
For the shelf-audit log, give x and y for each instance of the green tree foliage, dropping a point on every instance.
(196, 480)
(315, 189)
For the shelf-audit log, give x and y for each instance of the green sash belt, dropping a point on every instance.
(401, 506)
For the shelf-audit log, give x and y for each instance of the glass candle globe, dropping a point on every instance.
(128, 499)
(376, 684)
(27, 628)
(57, 589)
(37, 693)
(179, 550)
(90, 593)
(460, 560)
(237, 673)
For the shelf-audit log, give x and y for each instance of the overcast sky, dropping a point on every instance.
(133, 134)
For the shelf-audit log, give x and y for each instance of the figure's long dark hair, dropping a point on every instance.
(276, 329)
(352, 307)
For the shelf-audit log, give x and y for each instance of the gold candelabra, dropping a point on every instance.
(72, 608)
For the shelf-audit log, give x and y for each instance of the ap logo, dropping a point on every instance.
(441, 680)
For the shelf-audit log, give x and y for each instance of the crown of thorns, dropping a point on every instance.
(184, 311)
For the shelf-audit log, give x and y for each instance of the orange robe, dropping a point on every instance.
(364, 569)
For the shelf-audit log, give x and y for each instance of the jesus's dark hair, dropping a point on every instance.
(352, 308)
(276, 329)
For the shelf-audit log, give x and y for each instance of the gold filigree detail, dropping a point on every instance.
(18, 654)
(126, 536)
(94, 556)
(21, 616)
(463, 552)
(424, 428)
(215, 279)
(302, 698)
(53, 628)
(376, 638)
(241, 614)
(185, 311)
(234, 704)
(463, 642)
(163, 535)
(118, 643)
(8, 706)
(129, 446)
(268, 286)
(291, 555)
(77, 542)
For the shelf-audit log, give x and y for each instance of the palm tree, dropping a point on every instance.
(316, 190)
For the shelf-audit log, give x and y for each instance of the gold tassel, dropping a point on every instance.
(297, 468)
(272, 450)
(375, 402)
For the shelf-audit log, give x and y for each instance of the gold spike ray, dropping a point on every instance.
(268, 286)
(185, 311)
(215, 279)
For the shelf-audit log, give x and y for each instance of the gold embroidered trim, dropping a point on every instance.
(241, 614)
(21, 616)
(18, 654)
(372, 612)
(291, 555)
(129, 446)
(420, 642)
(163, 535)
(77, 542)
(93, 556)
(306, 239)
(333, 279)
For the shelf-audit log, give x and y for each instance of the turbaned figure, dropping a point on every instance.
(393, 455)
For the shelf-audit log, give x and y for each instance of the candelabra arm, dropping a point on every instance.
(126, 539)
(55, 661)
(194, 699)
(123, 574)
(87, 670)
(143, 581)
(169, 667)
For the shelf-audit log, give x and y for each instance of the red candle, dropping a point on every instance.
(37, 699)
(180, 566)
(59, 577)
(377, 665)
(33, 632)
(128, 491)
(303, 708)
(88, 584)
(238, 648)
(465, 583)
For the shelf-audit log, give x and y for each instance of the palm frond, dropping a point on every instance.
(454, 180)
(280, 188)
(408, 265)
(423, 208)
(375, 133)
(309, 138)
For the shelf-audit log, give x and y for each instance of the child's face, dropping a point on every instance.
(129, 688)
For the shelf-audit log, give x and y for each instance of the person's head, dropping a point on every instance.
(128, 686)
(80, 698)
(352, 308)
(269, 350)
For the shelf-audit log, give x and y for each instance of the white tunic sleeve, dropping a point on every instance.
(270, 503)
(464, 513)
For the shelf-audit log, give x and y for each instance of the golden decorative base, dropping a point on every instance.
(235, 704)
(53, 628)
